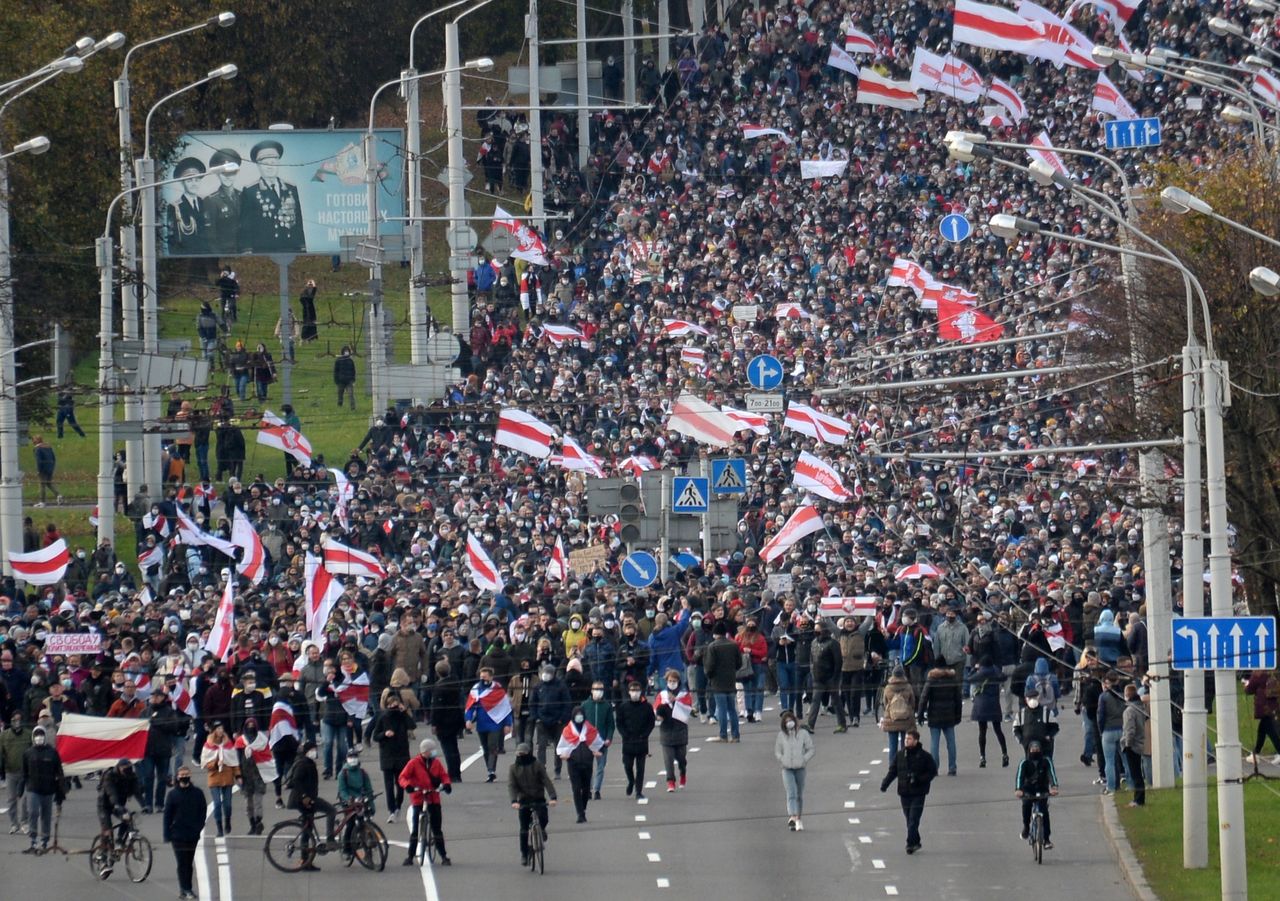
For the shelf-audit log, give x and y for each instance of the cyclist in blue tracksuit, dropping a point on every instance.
(1036, 777)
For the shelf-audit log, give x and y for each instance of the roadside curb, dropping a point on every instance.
(1123, 851)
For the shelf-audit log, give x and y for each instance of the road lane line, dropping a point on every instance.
(643, 801)
(472, 759)
(224, 870)
(694, 750)
(643, 836)
(864, 772)
(876, 762)
(854, 786)
(865, 839)
(849, 805)
(203, 880)
(891, 890)
(664, 883)
(651, 785)
(429, 879)
(854, 821)
(878, 864)
(654, 858)
(640, 818)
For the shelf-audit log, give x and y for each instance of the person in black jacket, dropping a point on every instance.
(391, 730)
(184, 816)
(45, 784)
(826, 663)
(303, 782)
(914, 769)
(549, 707)
(635, 720)
(444, 711)
(249, 702)
(941, 704)
(153, 769)
(344, 375)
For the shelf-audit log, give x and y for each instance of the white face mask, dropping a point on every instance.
(597, 693)
(313, 754)
(545, 677)
(274, 640)
(635, 695)
(579, 719)
(38, 740)
(672, 686)
(791, 725)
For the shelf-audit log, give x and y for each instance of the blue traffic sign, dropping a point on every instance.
(729, 476)
(764, 372)
(639, 570)
(1224, 642)
(1123, 134)
(690, 494)
(955, 228)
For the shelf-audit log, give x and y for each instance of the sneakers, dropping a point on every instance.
(1105, 790)
(683, 781)
(982, 763)
(671, 786)
(279, 804)
(582, 818)
(445, 861)
(1026, 833)
(1100, 781)
(1048, 846)
(493, 777)
(912, 849)
(1086, 760)
(595, 796)
(631, 786)
(838, 730)
(702, 717)
(791, 824)
(1134, 804)
(799, 825)
(391, 817)
(13, 830)
(640, 796)
(734, 740)
(411, 860)
(1004, 760)
(1275, 761)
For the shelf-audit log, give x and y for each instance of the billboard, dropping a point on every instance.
(296, 192)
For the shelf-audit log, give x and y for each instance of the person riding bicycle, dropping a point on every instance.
(303, 783)
(118, 785)
(1036, 779)
(424, 777)
(529, 787)
(354, 785)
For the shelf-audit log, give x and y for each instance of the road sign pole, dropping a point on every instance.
(706, 517)
(664, 530)
(1195, 791)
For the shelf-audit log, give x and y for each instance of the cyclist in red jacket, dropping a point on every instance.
(424, 777)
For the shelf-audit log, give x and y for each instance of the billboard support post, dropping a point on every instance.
(152, 465)
(282, 262)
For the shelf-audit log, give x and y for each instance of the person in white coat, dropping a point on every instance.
(794, 749)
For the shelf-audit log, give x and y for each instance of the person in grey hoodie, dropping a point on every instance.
(793, 749)
(1133, 743)
(950, 638)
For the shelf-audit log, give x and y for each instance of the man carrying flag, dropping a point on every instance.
(488, 713)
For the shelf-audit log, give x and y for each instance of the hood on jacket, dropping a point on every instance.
(942, 672)
(399, 678)
(1106, 618)
(1042, 667)
(384, 641)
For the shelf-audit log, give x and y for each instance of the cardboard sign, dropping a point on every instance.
(72, 643)
(584, 560)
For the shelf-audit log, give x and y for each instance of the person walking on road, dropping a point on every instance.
(45, 786)
(221, 764)
(899, 708)
(720, 662)
(184, 815)
(826, 666)
(914, 769)
(14, 742)
(1111, 726)
(599, 711)
(488, 711)
(530, 789)
(672, 708)
(986, 708)
(793, 749)
(252, 754)
(941, 707)
(579, 746)
(635, 720)
(549, 709)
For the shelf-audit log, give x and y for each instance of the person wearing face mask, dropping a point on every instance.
(14, 742)
(530, 790)
(115, 788)
(672, 708)
(549, 708)
(488, 711)
(911, 641)
(391, 729)
(164, 724)
(579, 745)
(354, 784)
(289, 720)
(257, 768)
(45, 786)
(221, 765)
(574, 637)
(249, 702)
(635, 722)
(424, 777)
(193, 654)
(599, 712)
(1036, 778)
(303, 783)
(599, 658)
(184, 816)
(914, 769)
(793, 749)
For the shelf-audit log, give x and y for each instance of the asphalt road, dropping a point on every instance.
(725, 836)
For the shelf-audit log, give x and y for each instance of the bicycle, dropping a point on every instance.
(131, 846)
(536, 842)
(427, 840)
(293, 845)
(1035, 833)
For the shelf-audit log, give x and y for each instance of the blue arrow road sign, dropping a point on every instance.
(690, 494)
(639, 569)
(955, 228)
(764, 372)
(729, 476)
(1123, 134)
(1224, 642)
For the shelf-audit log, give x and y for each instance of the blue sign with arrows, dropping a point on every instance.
(1224, 642)
(955, 228)
(764, 372)
(639, 570)
(1125, 134)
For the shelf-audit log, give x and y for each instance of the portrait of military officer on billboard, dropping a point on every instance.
(222, 207)
(270, 211)
(187, 217)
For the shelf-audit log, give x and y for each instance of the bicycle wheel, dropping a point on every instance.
(537, 861)
(99, 855)
(290, 845)
(370, 846)
(138, 858)
(1037, 838)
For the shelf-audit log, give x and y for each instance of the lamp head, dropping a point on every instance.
(1262, 6)
(80, 47)
(113, 41)
(1222, 27)
(1254, 61)
(1202, 74)
(1158, 56)
(228, 71)
(34, 146)
(1043, 173)
(1265, 281)
(972, 137)
(1009, 227)
(961, 150)
(1176, 200)
(1235, 114)
(67, 64)
(222, 20)
(481, 64)
(1104, 54)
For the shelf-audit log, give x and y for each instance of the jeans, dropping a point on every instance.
(726, 713)
(332, 734)
(202, 460)
(242, 383)
(17, 810)
(1007, 701)
(1090, 738)
(786, 684)
(261, 387)
(221, 803)
(350, 391)
(153, 778)
(597, 781)
(936, 733)
(793, 781)
(40, 812)
(69, 416)
(1110, 748)
(753, 689)
(185, 854)
(913, 810)
(633, 766)
(547, 734)
(675, 757)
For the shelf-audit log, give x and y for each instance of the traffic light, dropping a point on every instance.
(630, 512)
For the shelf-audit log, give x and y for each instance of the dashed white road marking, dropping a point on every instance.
(878, 864)
(864, 772)
(643, 836)
(651, 785)
(876, 762)
(854, 786)
(891, 890)
(664, 883)
(849, 805)
(694, 750)
(643, 801)
(654, 858)
(640, 818)
(865, 839)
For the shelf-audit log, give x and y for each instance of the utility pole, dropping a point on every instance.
(664, 36)
(129, 266)
(535, 122)
(629, 51)
(417, 290)
(377, 336)
(664, 526)
(152, 466)
(282, 262)
(1195, 765)
(10, 474)
(584, 115)
(459, 229)
(106, 391)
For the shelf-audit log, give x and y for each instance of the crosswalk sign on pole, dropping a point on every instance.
(729, 476)
(690, 494)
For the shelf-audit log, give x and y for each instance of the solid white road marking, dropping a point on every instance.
(203, 881)
(664, 883)
(224, 870)
(429, 880)
(878, 864)
(654, 858)
(472, 759)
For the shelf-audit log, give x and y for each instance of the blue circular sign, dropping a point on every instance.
(955, 228)
(765, 372)
(639, 570)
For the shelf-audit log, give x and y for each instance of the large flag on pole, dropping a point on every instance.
(876, 90)
(223, 631)
(808, 421)
(484, 573)
(820, 477)
(804, 521)
(1108, 99)
(43, 567)
(524, 432)
(320, 592)
(839, 58)
(1004, 94)
(253, 560)
(529, 246)
(997, 28)
(190, 533)
(348, 561)
(285, 438)
(702, 422)
(88, 744)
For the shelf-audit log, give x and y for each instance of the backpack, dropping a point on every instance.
(1044, 691)
(900, 708)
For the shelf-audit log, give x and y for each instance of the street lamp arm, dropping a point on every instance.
(1075, 151)
(483, 63)
(431, 15)
(1240, 226)
(221, 19)
(223, 169)
(226, 71)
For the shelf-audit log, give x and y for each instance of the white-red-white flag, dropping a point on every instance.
(223, 632)
(753, 421)
(856, 41)
(702, 422)
(320, 592)
(574, 458)
(189, 532)
(822, 168)
(253, 559)
(996, 28)
(558, 334)
(791, 310)
(839, 58)
(680, 328)
(932, 294)
(1069, 46)
(1108, 99)
(877, 90)
(814, 474)
(856, 605)
(751, 131)
(483, 572)
(694, 356)
(43, 567)
(961, 322)
(1267, 86)
(150, 556)
(524, 432)
(1047, 156)
(637, 464)
(1004, 94)
(342, 560)
(284, 724)
(805, 521)
(808, 421)
(908, 274)
(558, 565)
(1119, 11)
(529, 246)
(87, 744)
(274, 433)
(945, 75)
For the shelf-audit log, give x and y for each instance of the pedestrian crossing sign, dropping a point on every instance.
(689, 494)
(729, 476)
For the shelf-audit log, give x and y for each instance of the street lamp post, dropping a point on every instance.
(152, 465)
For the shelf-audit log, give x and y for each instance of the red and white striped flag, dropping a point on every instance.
(189, 532)
(1108, 99)
(223, 631)
(525, 433)
(805, 521)
(1266, 86)
(932, 294)
(694, 356)
(1119, 11)
(573, 735)
(702, 422)
(484, 574)
(149, 557)
(961, 322)
(43, 567)
(253, 560)
(1004, 94)
(492, 699)
(1069, 46)
(558, 565)
(858, 605)
(181, 698)
(157, 523)
(996, 28)
(274, 433)
(529, 246)
(808, 421)
(751, 132)
(856, 41)
(574, 459)
(260, 750)
(353, 692)
(946, 75)
(283, 723)
(638, 464)
(348, 561)
(792, 310)
(680, 701)
(88, 744)
(753, 421)
(813, 474)
(320, 591)
(558, 334)
(1049, 157)
(876, 90)
(839, 58)
(680, 328)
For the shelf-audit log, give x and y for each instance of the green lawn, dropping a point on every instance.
(1155, 831)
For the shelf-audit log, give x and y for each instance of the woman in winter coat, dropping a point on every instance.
(672, 709)
(986, 708)
(793, 749)
(392, 729)
(401, 689)
(940, 704)
(221, 763)
(899, 704)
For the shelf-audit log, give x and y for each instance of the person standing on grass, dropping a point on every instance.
(309, 331)
(264, 369)
(46, 463)
(1265, 688)
(344, 375)
(1133, 743)
(239, 369)
(67, 411)
(184, 816)
(793, 749)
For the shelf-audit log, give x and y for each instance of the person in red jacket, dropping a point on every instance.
(424, 777)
